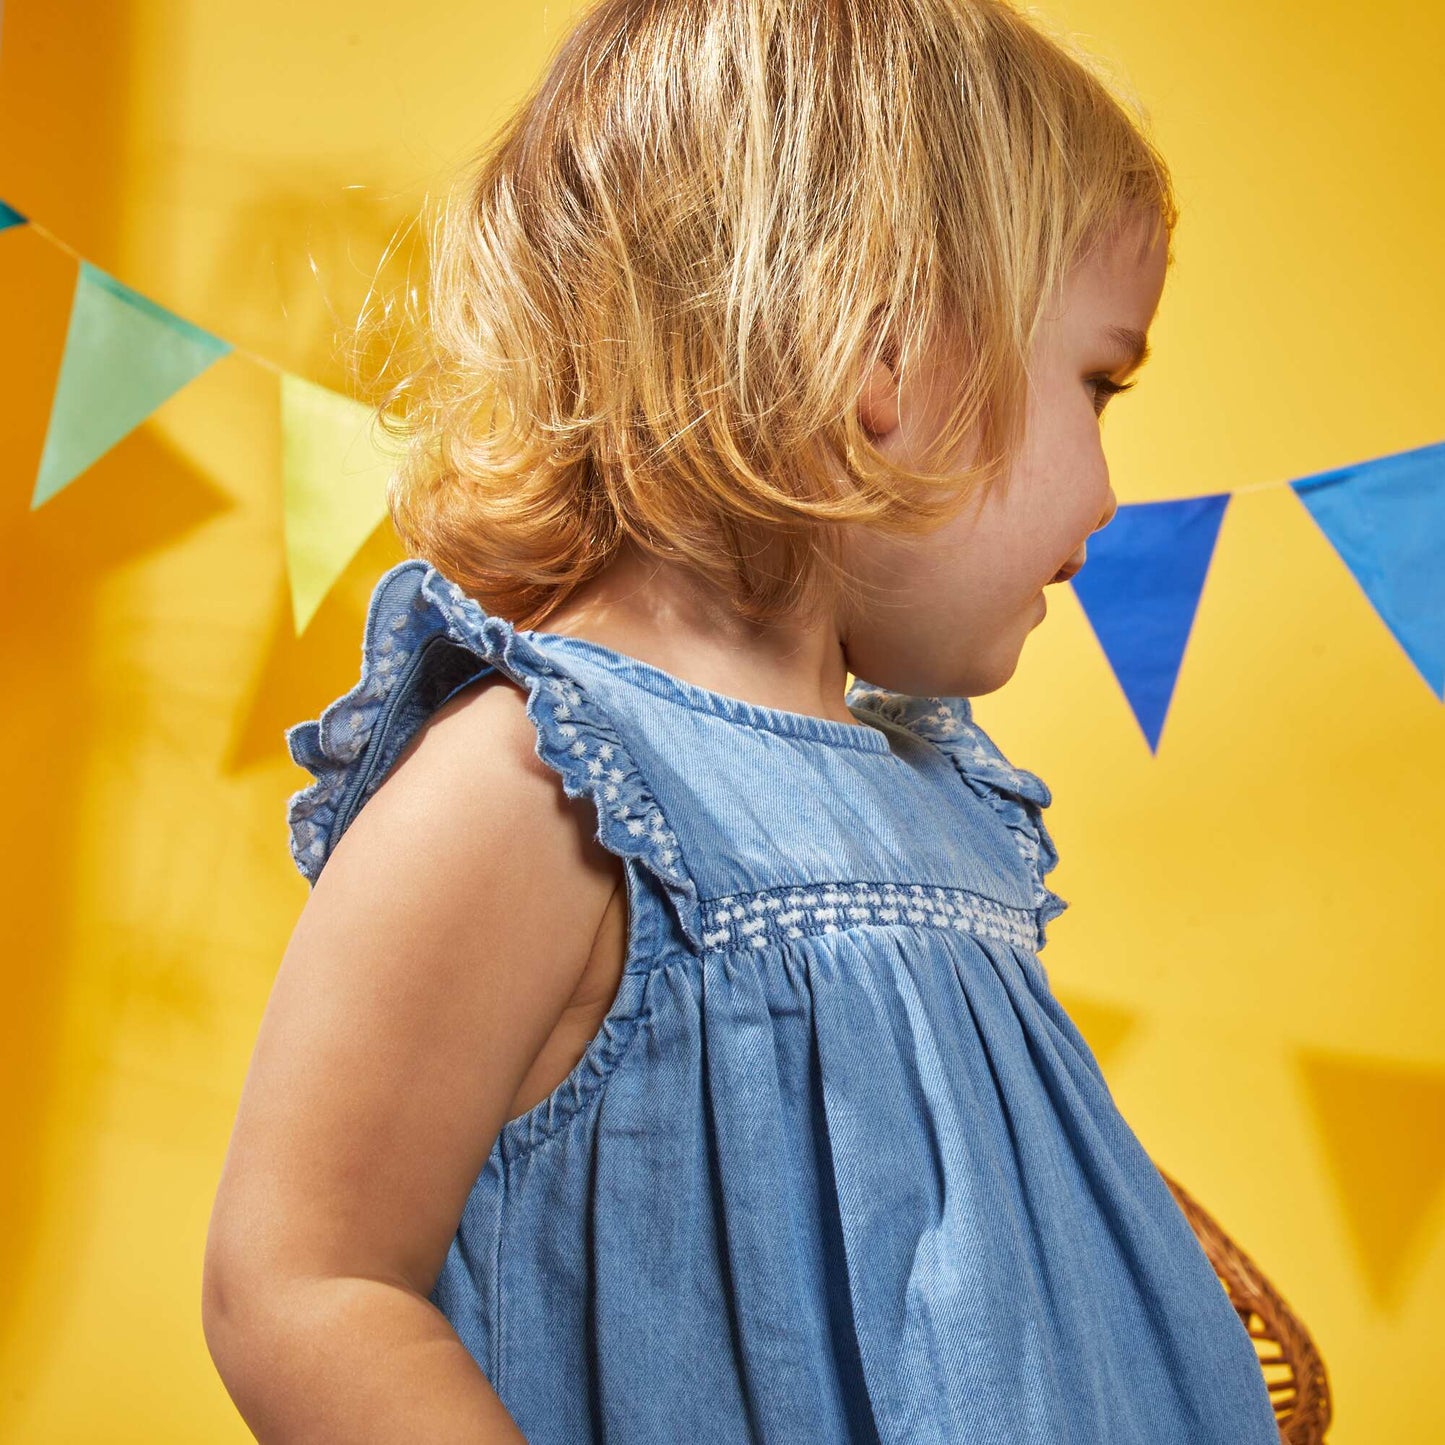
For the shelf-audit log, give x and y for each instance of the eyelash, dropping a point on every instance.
(1109, 389)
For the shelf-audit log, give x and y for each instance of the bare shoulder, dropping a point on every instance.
(435, 954)
(470, 815)
(486, 725)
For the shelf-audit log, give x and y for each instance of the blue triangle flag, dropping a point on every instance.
(1140, 590)
(9, 216)
(1386, 519)
(124, 355)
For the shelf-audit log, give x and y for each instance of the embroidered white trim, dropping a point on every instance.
(597, 754)
(759, 919)
(1016, 794)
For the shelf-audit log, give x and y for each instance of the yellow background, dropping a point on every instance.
(1253, 946)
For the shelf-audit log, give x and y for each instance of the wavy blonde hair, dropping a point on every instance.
(655, 294)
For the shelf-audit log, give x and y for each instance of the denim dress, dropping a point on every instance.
(836, 1166)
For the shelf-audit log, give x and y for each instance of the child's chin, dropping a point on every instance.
(988, 676)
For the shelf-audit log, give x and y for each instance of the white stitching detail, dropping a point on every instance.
(803, 910)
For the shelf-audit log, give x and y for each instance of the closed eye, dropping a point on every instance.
(1105, 388)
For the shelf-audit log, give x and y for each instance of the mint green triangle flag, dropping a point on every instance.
(124, 356)
(334, 487)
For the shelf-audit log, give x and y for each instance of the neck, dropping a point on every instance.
(661, 614)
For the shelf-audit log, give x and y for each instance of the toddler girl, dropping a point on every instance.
(663, 1052)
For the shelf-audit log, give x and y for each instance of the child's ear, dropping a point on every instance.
(878, 399)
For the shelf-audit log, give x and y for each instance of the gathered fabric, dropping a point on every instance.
(836, 1166)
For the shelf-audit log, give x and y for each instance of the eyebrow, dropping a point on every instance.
(1133, 345)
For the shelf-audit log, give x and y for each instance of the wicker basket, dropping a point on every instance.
(1292, 1367)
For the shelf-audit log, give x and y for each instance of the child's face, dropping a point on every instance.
(955, 607)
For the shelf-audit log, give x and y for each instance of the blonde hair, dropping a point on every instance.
(654, 298)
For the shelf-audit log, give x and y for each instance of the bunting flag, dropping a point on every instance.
(334, 477)
(1140, 591)
(1386, 519)
(124, 355)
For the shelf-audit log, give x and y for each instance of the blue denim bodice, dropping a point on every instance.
(836, 1166)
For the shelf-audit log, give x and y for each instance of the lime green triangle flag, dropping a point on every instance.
(124, 355)
(334, 487)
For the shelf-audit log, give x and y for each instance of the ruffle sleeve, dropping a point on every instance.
(424, 640)
(1017, 795)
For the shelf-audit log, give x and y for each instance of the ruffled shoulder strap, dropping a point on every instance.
(1016, 794)
(424, 640)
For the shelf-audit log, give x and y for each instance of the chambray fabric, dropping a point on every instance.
(837, 1167)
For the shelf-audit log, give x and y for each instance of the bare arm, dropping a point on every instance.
(435, 954)
(339, 1360)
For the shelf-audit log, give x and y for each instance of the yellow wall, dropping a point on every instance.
(1253, 945)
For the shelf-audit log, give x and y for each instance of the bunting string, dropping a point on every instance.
(125, 355)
